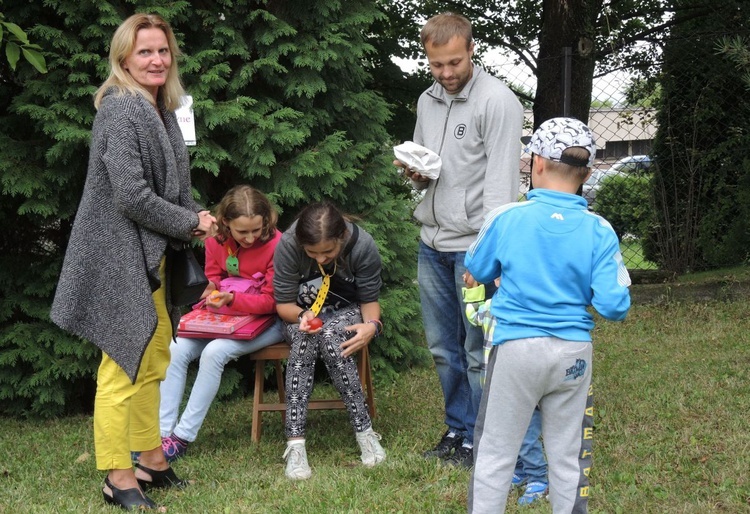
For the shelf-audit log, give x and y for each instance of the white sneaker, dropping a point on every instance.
(296, 462)
(369, 443)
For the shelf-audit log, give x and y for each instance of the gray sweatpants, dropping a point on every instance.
(555, 374)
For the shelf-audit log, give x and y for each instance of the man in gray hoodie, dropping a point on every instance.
(473, 121)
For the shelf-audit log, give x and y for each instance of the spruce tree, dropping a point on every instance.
(283, 101)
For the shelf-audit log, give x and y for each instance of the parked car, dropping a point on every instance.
(624, 166)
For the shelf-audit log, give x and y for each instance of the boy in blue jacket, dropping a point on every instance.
(555, 259)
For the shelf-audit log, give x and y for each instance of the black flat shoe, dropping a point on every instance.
(128, 499)
(161, 479)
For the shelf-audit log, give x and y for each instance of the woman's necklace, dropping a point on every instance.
(322, 272)
(323, 291)
(233, 263)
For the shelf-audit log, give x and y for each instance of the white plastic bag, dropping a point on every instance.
(419, 159)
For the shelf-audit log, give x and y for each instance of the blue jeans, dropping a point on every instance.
(455, 344)
(531, 463)
(214, 355)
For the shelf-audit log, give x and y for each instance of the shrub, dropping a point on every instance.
(626, 202)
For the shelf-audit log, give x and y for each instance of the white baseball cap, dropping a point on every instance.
(556, 135)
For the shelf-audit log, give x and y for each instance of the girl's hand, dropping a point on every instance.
(210, 288)
(219, 299)
(304, 323)
(363, 334)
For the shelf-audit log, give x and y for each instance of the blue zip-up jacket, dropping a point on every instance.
(555, 258)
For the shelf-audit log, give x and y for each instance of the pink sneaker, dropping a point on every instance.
(173, 447)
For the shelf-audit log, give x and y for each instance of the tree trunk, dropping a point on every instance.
(565, 23)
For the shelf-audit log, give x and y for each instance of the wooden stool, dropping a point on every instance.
(278, 351)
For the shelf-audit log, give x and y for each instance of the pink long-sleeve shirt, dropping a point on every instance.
(257, 258)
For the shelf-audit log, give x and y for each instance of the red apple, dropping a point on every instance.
(315, 323)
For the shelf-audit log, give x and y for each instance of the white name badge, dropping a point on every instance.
(186, 119)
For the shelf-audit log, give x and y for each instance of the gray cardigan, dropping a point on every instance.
(137, 199)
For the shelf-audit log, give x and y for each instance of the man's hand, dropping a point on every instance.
(409, 173)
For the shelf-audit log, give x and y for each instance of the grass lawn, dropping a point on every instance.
(671, 395)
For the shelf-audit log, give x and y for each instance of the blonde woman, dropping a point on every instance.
(136, 205)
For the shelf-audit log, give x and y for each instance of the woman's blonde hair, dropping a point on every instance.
(122, 45)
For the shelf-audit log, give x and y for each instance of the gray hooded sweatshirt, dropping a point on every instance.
(478, 137)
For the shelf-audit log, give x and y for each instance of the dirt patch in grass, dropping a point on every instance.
(655, 286)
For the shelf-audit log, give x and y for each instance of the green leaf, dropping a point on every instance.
(36, 59)
(13, 53)
(17, 31)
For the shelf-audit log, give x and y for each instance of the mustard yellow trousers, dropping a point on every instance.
(126, 414)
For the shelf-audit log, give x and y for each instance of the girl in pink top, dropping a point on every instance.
(244, 247)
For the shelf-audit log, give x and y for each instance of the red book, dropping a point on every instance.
(250, 331)
(201, 320)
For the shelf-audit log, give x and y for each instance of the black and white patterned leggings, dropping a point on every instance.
(300, 371)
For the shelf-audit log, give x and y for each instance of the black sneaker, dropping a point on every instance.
(463, 456)
(448, 443)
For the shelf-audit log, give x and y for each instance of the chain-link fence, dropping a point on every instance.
(619, 175)
(632, 110)
(624, 136)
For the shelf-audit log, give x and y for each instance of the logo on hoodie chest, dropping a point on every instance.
(460, 131)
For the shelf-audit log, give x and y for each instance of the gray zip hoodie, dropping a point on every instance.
(478, 137)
